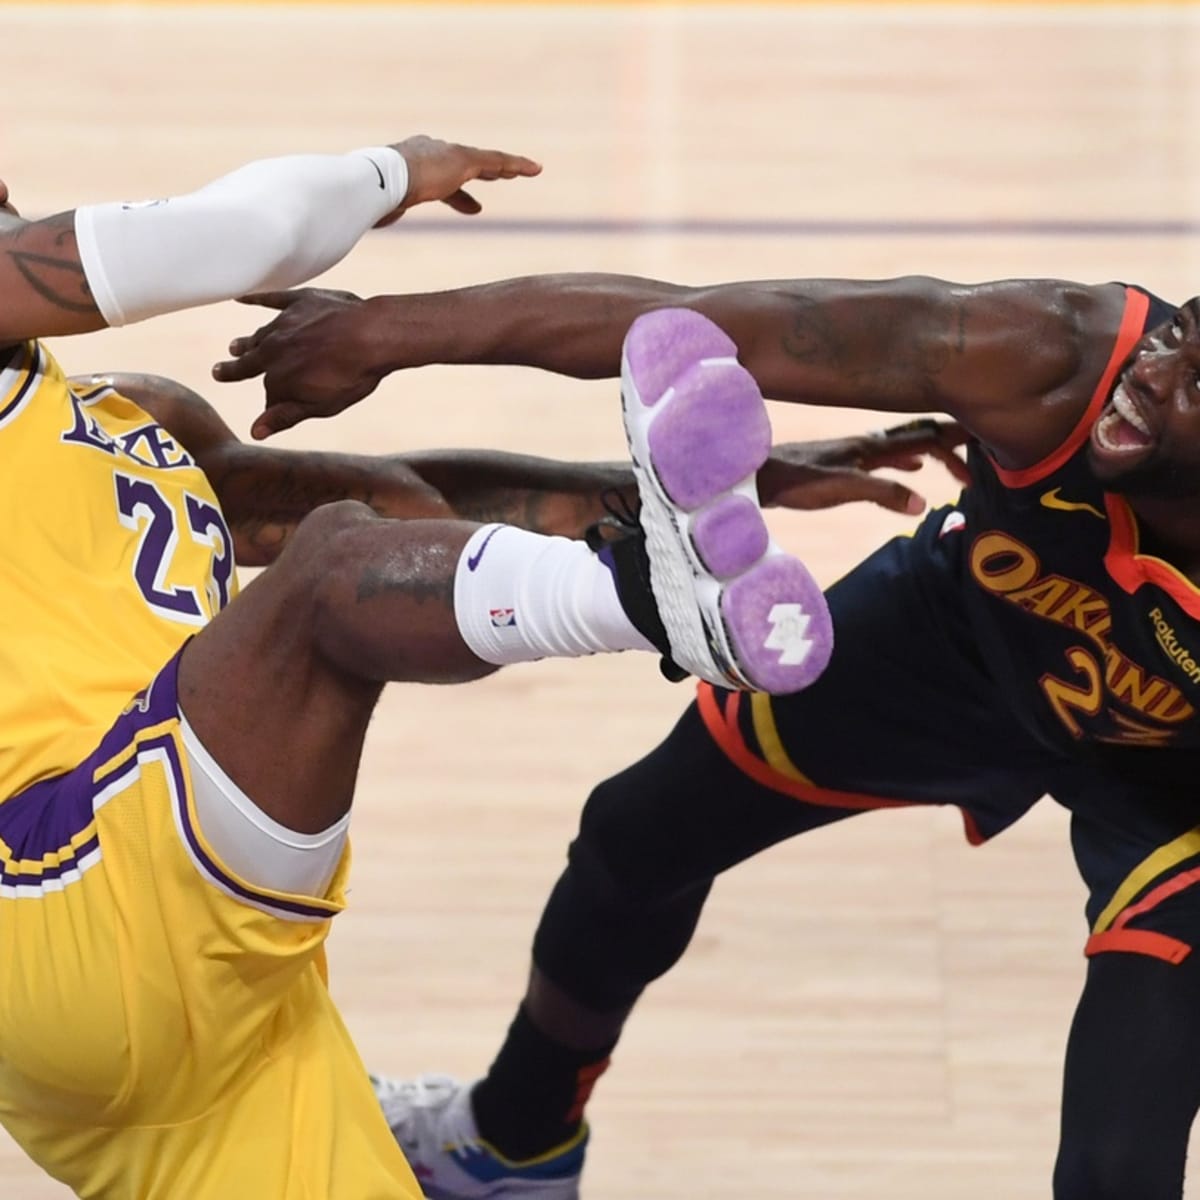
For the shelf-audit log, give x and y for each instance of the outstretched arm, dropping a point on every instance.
(1013, 360)
(273, 223)
(265, 492)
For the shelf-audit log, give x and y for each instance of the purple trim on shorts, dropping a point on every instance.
(40, 820)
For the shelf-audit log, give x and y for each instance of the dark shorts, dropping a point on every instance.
(907, 713)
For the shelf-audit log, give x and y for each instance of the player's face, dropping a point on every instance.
(1146, 441)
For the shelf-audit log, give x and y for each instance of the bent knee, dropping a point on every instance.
(621, 864)
(323, 542)
(320, 527)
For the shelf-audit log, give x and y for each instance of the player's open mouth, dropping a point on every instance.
(1121, 429)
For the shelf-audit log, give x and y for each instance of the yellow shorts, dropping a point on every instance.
(165, 1029)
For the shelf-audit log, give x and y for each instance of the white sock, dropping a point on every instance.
(520, 596)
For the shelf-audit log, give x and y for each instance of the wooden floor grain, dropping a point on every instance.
(879, 1011)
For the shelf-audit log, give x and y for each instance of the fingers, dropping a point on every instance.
(903, 446)
(276, 419)
(498, 164)
(462, 202)
(895, 496)
(906, 463)
(951, 434)
(953, 463)
(827, 487)
(247, 365)
(846, 487)
(279, 300)
(242, 348)
(244, 364)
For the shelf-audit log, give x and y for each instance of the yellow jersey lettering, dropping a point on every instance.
(1002, 564)
(1084, 610)
(1128, 682)
(1043, 596)
(1172, 708)
(1011, 570)
(1064, 696)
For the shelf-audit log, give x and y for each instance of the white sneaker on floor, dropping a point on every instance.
(432, 1120)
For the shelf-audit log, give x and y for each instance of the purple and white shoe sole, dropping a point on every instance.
(738, 610)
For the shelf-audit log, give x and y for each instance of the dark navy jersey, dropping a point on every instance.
(1091, 640)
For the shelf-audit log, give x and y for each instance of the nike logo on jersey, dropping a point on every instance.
(382, 185)
(1051, 499)
(473, 560)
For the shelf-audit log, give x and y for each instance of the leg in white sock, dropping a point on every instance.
(521, 596)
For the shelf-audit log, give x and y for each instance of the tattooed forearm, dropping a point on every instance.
(868, 347)
(541, 495)
(564, 514)
(812, 338)
(255, 489)
(61, 283)
(58, 277)
(265, 493)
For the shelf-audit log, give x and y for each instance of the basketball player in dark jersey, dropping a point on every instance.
(1050, 620)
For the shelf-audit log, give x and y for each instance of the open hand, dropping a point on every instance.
(437, 170)
(822, 474)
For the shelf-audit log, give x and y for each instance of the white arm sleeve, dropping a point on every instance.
(271, 224)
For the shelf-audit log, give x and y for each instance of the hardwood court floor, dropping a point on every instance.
(879, 1011)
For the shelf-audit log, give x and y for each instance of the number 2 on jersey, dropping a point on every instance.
(141, 506)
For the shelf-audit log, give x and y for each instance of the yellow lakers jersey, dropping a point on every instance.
(115, 551)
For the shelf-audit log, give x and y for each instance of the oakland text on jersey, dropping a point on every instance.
(1007, 568)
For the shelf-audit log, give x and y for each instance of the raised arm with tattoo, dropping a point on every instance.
(272, 223)
(1008, 359)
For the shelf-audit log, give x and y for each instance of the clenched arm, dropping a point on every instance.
(266, 492)
(1014, 360)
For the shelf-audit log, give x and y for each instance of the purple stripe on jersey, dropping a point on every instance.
(37, 823)
(64, 865)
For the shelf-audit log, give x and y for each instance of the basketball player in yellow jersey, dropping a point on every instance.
(163, 1026)
(177, 763)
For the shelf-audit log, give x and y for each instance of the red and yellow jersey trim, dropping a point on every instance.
(1133, 324)
(724, 728)
(1111, 929)
(1130, 569)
